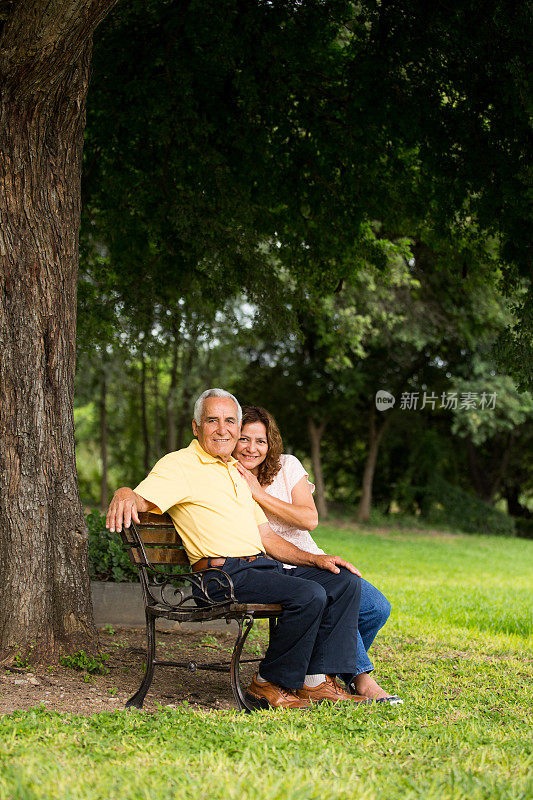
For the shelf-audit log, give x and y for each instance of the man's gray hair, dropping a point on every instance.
(199, 405)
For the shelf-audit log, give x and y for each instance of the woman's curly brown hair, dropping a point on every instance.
(272, 464)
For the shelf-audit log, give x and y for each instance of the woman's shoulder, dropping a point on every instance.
(288, 458)
(292, 468)
(291, 472)
(288, 461)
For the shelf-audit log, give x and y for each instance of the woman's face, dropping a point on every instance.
(252, 447)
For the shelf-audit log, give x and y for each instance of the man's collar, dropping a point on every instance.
(207, 458)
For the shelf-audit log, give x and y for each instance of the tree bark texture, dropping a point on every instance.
(44, 72)
(315, 438)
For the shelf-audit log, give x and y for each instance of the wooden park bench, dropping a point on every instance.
(156, 549)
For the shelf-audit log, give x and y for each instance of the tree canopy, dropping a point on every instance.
(238, 129)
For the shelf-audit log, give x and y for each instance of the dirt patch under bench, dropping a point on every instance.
(62, 688)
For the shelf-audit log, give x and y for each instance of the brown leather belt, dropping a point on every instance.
(205, 563)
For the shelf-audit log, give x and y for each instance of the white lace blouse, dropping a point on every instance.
(281, 487)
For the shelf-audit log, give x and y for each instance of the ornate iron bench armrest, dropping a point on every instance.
(202, 585)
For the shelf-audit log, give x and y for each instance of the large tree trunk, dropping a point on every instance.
(44, 68)
(375, 435)
(315, 437)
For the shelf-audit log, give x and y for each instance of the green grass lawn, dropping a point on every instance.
(457, 649)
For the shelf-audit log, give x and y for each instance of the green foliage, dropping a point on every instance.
(219, 134)
(86, 663)
(524, 527)
(514, 348)
(20, 661)
(509, 410)
(88, 463)
(451, 505)
(108, 558)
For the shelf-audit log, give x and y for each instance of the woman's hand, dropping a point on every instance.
(255, 487)
(301, 512)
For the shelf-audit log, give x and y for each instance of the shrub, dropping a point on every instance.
(108, 559)
(449, 504)
(86, 663)
(524, 527)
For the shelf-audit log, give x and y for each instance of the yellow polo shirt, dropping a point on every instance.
(209, 501)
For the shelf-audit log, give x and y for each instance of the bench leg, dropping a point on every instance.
(236, 687)
(138, 698)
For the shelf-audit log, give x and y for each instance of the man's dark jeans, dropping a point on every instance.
(317, 630)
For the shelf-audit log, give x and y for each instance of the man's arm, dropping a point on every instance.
(282, 550)
(125, 505)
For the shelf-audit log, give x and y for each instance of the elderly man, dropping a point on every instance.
(221, 526)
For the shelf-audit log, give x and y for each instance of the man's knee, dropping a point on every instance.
(314, 595)
(351, 583)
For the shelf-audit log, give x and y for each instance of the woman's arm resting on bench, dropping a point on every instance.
(125, 505)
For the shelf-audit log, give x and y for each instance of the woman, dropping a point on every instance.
(280, 484)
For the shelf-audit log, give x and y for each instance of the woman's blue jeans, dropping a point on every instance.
(373, 614)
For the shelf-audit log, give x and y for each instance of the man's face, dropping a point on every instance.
(219, 429)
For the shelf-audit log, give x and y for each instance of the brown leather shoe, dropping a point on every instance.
(268, 695)
(330, 690)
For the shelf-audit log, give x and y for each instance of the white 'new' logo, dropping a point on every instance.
(384, 400)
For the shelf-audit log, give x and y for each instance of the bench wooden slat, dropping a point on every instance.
(258, 608)
(163, 536)
(160, 556)
(155, 520)
(162, 542)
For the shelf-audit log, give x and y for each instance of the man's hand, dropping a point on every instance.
(124, 506)
(332, 563)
